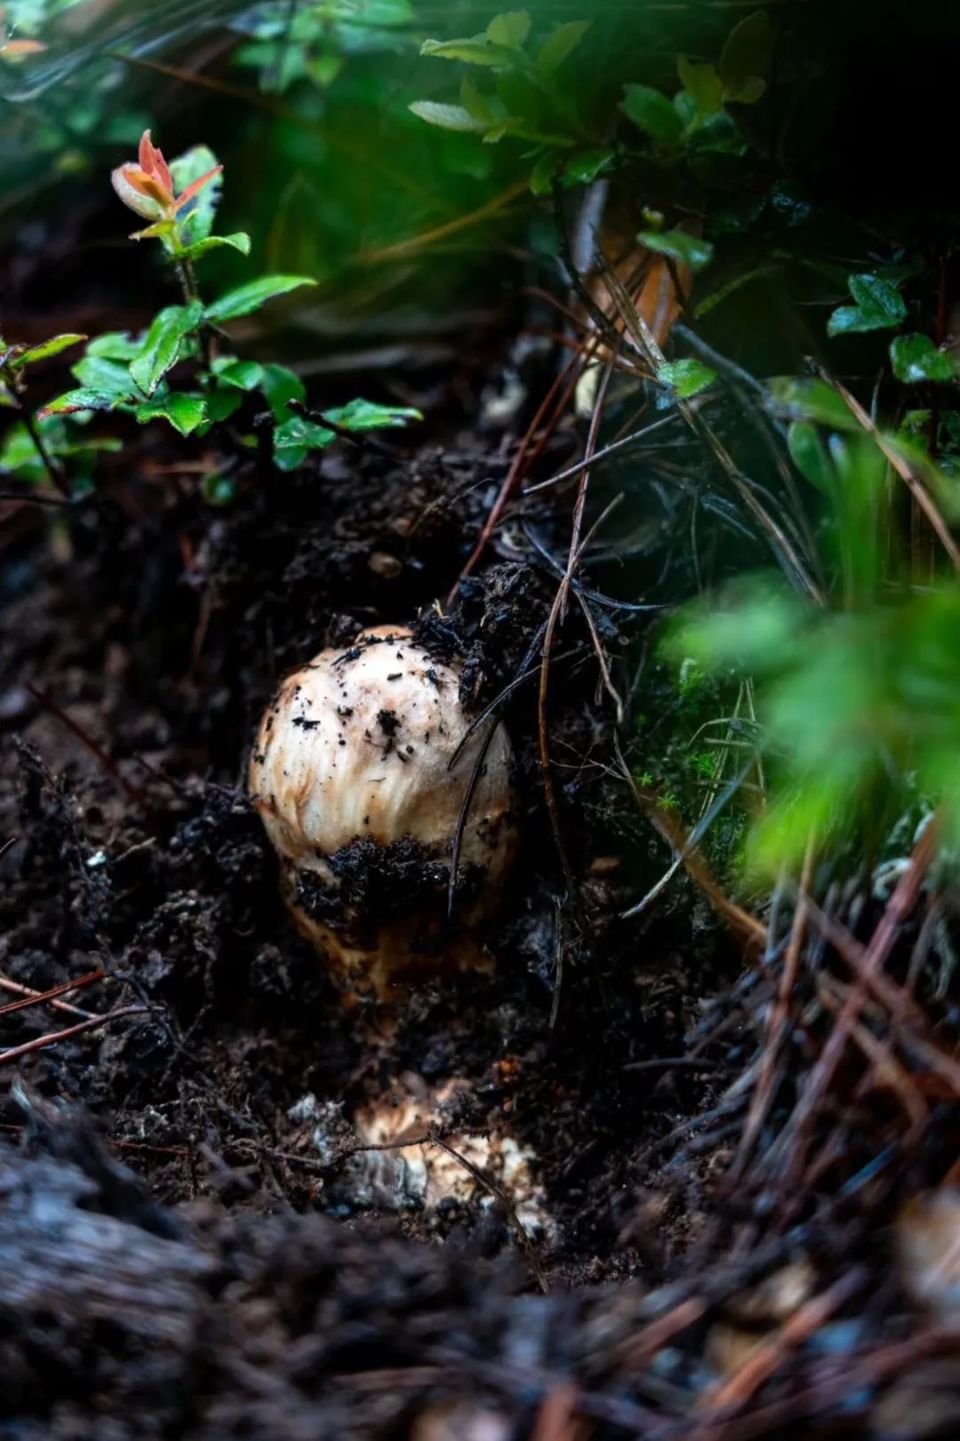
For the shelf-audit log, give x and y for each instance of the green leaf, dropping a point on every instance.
(475, 51)
(85, 398)
(745, 59)
(250, 297)
(879, 306)
(280, 385)
(242, 374)
(805, 398)
(221, 404)
(116, 345)
(585, 165)
(98, 373)
(560, 44)
(485, 110)
(198, 222)
(184, 412)
(510, 29)
(447, 117)
(367, 415)
(542, 175)
(295, 437)
(686, 377)
(653, 113)
(915, 358)
(239, 240)
(163, 343)
(47, 348)
(809, 455)
(703, 85)
(688, 250)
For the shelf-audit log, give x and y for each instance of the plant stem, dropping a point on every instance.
(51, 466)
(188, 283)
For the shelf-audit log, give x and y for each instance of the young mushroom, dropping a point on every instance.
(360, 772)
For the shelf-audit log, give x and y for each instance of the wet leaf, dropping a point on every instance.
(250, 297)
(915, 358)
(163, 344)
(689, 250)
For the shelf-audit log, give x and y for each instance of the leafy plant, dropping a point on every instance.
(130, 374)
(310, 42)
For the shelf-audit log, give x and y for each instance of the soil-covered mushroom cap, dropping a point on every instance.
(364, 753)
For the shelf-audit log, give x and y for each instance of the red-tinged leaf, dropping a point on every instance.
(14, 48)
(128, 182)
(196, 187)
(152, 161)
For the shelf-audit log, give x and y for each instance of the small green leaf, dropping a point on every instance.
(242, 374)
(585, 165)
(688, 250)
(809, 455)
(542, 175)
(879, 306)
(476, 51)
(367, 415)
(805, 398)
(510, 29)
(184, 412)
(295, 437)
(481, 108)
(116, 345)
(915, 358)
(686, 377)
(163, 343)
(98, 373)
(703, 85)
(745, 59)
(280, 385)
(47, 348)
(447, 117)
(653, 113)
(560, 44)
(221, 404)
(239, 240)
(85, 398)
(250, 297)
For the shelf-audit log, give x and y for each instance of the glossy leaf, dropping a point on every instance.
(239, 240)
(689, 250)
(367, 415)
(116, 345)
(915, 358)
(85, 398)
(242, 374)
(163, 344)
(279, 385)
(47, 348)
(250, 297)
(652, 113)
(879, 306)
(99, 373)
(447, 117)
(585, 165)
(686, 377)
(184, 412)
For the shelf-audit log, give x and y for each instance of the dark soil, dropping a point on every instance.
(144, 635)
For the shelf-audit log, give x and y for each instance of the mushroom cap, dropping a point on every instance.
(364, 743)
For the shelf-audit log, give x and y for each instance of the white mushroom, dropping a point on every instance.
(359, 772)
